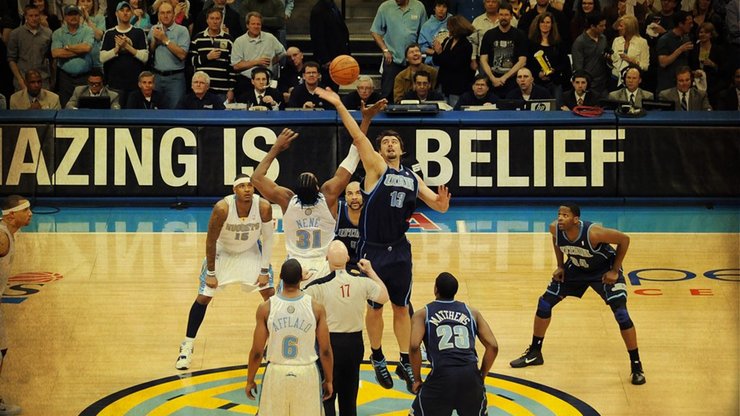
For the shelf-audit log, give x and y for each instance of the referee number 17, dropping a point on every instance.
(345, 290)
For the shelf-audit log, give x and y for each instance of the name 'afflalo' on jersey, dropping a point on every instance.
(390, 203)
(450, 334)
(582, 254)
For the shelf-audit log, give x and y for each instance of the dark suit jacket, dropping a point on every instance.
(468, 98)
(300, 96)
(329, 33)
(136, 101)
(250, 98)
(538, 93)
(623, 95)
(569, 99)
(698, 100)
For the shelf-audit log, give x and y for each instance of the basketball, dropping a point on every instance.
(344, 70)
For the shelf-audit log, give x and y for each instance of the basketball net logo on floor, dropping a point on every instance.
(222, 389)
(23, 285)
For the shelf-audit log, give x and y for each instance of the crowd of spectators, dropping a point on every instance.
(233, 53)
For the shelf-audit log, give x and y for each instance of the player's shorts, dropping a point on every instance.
(392, 263)
(576, 283)
(448, 388)
(233, 268)
(315, 268)
(291, 390)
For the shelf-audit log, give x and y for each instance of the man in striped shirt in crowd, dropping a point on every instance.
(210, 52)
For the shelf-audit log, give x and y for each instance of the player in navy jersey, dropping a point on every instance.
(390, 192)
(592, 262)
(348, 218)
(448, 329)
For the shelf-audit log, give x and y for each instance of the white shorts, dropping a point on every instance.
(291, 390)
(315, 268)
(231, 268)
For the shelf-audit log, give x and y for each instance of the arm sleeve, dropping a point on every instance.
(266, 233)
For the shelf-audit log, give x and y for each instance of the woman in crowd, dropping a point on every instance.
(48, 20)
(140, 16)
(453, 58)
(629, 48)
(89, 16)
(544, 36)
(710, 58)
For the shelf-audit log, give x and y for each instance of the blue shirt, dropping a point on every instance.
(164, 59)
(398, 27)
(429, 31)
(63, 37)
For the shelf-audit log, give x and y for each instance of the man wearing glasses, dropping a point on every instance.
(94, 88)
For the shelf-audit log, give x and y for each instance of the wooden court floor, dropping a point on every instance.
(117, 312)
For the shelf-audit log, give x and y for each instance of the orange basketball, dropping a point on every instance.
(344, 70)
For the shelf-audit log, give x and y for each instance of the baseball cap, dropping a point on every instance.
(122, 4)
(71, 9)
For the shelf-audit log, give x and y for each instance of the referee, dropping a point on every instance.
(344, 296)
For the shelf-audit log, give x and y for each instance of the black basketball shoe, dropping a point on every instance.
(382, 375)
(404, 372)
(530, 357)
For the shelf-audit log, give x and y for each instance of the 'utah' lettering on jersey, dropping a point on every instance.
(391, 203)
(240, 234)
(582, 254)
(292, 327)
(450, 334)
(347, 232)
(308, 228)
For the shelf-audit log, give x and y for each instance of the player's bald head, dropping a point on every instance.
(337, 255)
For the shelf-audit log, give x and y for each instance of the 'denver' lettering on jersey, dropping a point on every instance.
(440, 316)
(291, 322)
(399, 180)
(240, 228)
(576, 251)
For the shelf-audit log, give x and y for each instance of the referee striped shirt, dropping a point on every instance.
(344, 296)
(222, 74)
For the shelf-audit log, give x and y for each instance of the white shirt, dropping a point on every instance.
(344, 296)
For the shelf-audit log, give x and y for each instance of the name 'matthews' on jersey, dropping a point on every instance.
(391, 203)
(450, 334)
(292, 327)
(582, 254)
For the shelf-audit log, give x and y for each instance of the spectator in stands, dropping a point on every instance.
(631, 93)
(673, 50)
(28, 48)
(591, 54)
(124, 53)
(231, 22)
(169, 42)
(34, 96)
(262, 95)
(528, 90)
(404, 81)
(71, 45)
(711, 60)
(201, 98)
(272, 13)
(210, 52)
(89, 16)
(395, 27)
(481, 94)
(452, 56)
(180, 11)
(146, 98)
(252, 49)
(661, 22)
(3, 103)
(140, 18)
(518, 9)
(364, 92)
(304, 96)
(544, 36)
(329, 36)
(629, 48)
(422, 91)
(47, 18)
(684, 95)
(703, 12)
(95, 88)
(483, 24)
(291, 74)
(729, 99)
(434, 29)
(579, 23)
(468, 8)
(542, 6)
(580, 94)
(503, 52)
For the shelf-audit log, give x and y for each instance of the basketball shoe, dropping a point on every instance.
(185, 356)
(7, 409)
(382, 375)
(638, 377)
(530, 357)
(404, 372)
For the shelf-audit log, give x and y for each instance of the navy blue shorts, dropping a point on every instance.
(393, 265)
(575, 284)
(451, 388)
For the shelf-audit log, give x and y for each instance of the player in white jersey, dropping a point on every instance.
(16, 215)
(294, 323)
(309, 213)
(238, 247)
(344, 296)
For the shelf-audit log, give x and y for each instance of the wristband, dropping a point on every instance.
(210, 273)
(167, 43)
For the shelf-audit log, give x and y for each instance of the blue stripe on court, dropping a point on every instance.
(468, 217)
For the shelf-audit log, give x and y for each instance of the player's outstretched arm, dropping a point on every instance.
(259, 339)
(438, 201)
(325, 353)
(267, 187)
(486, 337)
(417, 334)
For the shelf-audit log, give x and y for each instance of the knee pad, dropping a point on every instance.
(545, 305)
(621, 315)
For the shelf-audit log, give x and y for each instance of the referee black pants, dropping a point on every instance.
(348, 351)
